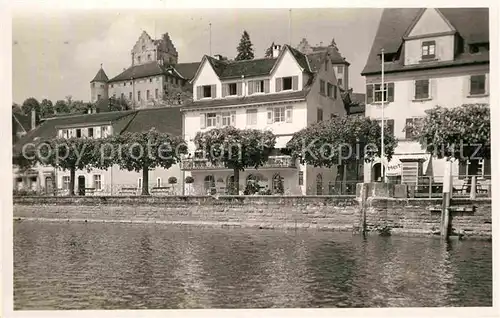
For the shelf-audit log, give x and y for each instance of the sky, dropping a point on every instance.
(57, 53)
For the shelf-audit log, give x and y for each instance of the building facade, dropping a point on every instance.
(431, 57)
(283, 94)
(154, 73)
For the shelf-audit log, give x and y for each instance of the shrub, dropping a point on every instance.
(172, 180)
(189, 179)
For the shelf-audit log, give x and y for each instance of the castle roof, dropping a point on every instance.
(100, 76)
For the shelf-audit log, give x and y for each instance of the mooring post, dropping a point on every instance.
(473, 188)
(447, 189)
(364, 197)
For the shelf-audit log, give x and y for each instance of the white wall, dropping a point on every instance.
(430, 22)
(286, 67)
(207, 76)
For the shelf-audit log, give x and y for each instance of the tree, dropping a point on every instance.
(269, 51)
(46, 108)
(118, 104)
(78, 106)
(61, 107)
(16, 108)
(340, 141)
(29, 104)
(236, 148)
(143, 151)
(460, 133)
(174, 95)
(245, 49)
(68, 154)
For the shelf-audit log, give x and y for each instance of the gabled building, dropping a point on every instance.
(431, 57)
(22, 124)
(283, 94)
(114, 181)
(153, 72)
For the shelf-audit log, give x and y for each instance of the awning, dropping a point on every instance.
(394, 166)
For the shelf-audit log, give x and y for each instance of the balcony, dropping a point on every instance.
(274, 162)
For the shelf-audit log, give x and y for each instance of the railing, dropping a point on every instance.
(462, 186)
(204, 164)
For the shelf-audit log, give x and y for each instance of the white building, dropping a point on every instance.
(284, 94)
(432, 57)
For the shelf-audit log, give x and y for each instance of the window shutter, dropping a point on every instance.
(269, 115)
(390, 92)
(98, 132)
(218, 120)
(295, 83)
(487, 168)
(289, 114)
(233, 118)
(199, 92)
(202, 121)
(279, 84)
(250, 87)
(369, 94)
(225, 88)
(390, 125)
(462, 169)
(266, 86)
(213, 91)
(239, 86)
(408, 134)
(334, 91)
(60, 133)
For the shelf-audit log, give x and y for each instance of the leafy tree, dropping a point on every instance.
(340, 141)
(46, 108)
(118, 104)
(460, 133)
(68, 154)
(61, 107)
(16, 108)
(172, 180)
(143, 151)
(79, 106)
(245, 49)
(236, 148)
(174, 95)
(29, 104)
(269, 51)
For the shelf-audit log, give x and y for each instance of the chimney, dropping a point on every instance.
(276, 50)
(218, 57)
(321, 43)
(33, 118)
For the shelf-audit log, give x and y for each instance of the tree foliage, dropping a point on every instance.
(143, 151)
(174, 95)
(117, 104)
(269, 51)
(339, 141)
(461, 132)
(16, 108)
(236, 148)
(46, 108)
(245, 49)
(61, 107)
(29, 104)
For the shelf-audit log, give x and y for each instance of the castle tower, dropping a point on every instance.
(99, 86)
(147, 49)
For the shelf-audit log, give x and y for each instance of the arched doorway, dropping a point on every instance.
(81, 185)
(209, 184)
(319, 184)
(278, 186)
(376, 173)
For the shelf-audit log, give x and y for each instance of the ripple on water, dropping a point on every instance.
(126, 266)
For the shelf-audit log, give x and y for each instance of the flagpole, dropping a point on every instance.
(290, 27)
(210, 37)
(382, 153)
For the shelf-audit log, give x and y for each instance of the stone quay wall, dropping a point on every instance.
(471, 218)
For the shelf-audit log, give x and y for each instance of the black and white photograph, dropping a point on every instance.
(180, 158)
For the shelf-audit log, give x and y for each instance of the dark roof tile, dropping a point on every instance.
(100, 76)
(163, 119)
(187, 70)
(140, 71)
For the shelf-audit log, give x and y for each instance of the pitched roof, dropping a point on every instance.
(316, 60)
(164, 119)
(23, 120)
(300, 57)
(358, 98)
(252, 99)
(139, 71)
(100, 76)
(335, 56)
(471, 23)
(187, 70)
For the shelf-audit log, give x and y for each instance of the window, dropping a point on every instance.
(226, 119)
(78, 133)
(98, 97)
(211, 120)
(475, 167)
(301, 178)
(478, 84)
(388, 125)
(411, 133)
(319, 114)
(322, 87)
(207, 91)
(339, 81)
(379, 92)
(428, 50)
(422, 89)
(138, 59)
(124, 83)
(139, 96)
(326, 65)
(158, 182)
(329, 90)
(251, 116)
(130, 83)
(279, 114)
(151, 80)
(114, 95)
(287, 83)
(91, 132)
(97, 182)
(111, 85)
(156, 93)
(147, 94)
(259, 86)
(319, 184)
(231, 89)
(130, 95)
(340, 69)
(122, 96)
(65, 182)
(149, 57)
(65, 133)
(139, 183)
(334, 92)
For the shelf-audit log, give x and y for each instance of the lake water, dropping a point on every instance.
(134, 266)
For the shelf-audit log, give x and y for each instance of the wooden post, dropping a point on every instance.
(473, 188)
(447, 189)
(364, 198)
(430, 187)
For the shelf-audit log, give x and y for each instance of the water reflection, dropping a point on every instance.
(110, 266)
